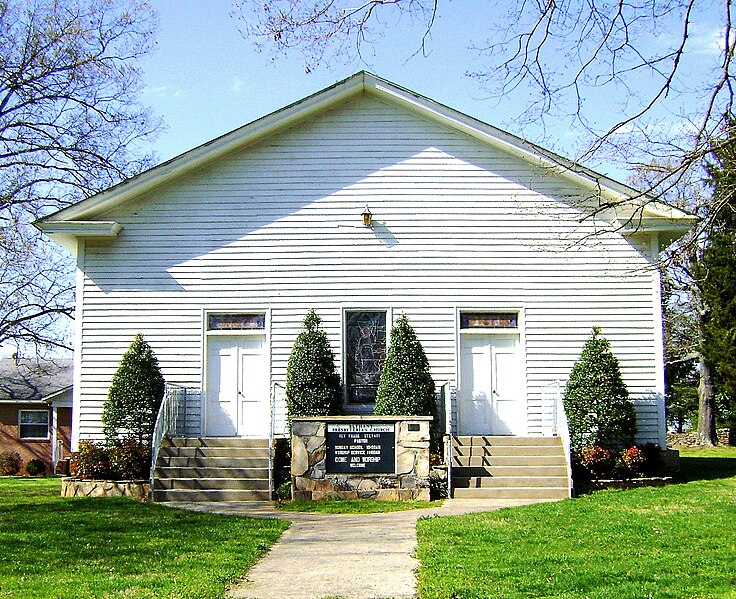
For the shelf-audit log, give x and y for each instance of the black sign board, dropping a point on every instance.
(360, 448)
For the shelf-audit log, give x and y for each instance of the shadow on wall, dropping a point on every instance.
(28, 449)
(248, 202)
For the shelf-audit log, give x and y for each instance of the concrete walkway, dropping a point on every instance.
(366, 556)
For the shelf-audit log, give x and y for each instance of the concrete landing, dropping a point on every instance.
(366, 556)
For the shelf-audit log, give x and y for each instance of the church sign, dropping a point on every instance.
(361, 447)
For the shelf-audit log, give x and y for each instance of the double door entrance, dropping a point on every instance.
(492, 393)
(237, 397)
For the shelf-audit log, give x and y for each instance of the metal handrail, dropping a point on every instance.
(167, 420)
(271, 439)
(447, 402)
(563, 431)
(160, 430)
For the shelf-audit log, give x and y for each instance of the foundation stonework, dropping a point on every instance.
(74, 487)
(311, 474)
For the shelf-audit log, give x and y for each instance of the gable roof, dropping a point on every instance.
(629, 209)
(32, 380)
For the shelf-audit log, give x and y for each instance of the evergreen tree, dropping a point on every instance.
(597, 401)
(312, 385)
(406, 386)
(716, 272)
(135, 395)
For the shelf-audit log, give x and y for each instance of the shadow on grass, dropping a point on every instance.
(705, 468)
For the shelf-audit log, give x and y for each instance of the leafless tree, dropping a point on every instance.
(628, 76)
(70, 125)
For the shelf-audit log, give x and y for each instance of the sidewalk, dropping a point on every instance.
(365, 556)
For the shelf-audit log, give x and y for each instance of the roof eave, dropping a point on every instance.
(212, 150)
(67, 232)
(602, 188)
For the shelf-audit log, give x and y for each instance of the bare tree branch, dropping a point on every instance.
(70, 125)
(577, 62)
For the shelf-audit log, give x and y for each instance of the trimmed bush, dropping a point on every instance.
(135, 395)
(406, 387)
(437, 487)
(636, 461)
(283, 492)
(598, 461)
(312, 384)
(36, 467)
(10, 463)
(92, 460)
(129, 461)
(633, 462)
(597, 401)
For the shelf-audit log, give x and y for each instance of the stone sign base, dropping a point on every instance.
(311, 474)
(74, 487)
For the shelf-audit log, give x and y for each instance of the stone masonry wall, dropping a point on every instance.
(690, 439)
(310, 479)
(73, 487)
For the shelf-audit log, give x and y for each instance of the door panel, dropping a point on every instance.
(237, 387)
(253, 393)
(476, 401)
(222, 390)
(492, 396)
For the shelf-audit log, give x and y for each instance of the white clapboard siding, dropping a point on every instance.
(277, 226)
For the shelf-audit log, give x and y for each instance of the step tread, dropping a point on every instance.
(214, 452)
(511, 493)
(478, 482)
(490, 461)
(504, 440)
(211, 484)
(243, 442)
(202, 472)
(507, 450)
(210, 495)
(209, 462)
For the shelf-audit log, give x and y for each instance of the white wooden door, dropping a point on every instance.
(492, 397)
(237, 387)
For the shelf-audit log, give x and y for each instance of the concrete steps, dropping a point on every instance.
(490, 467)
(212, 469)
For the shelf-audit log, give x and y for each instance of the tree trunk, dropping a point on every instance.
(707, 406)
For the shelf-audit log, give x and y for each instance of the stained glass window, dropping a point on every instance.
(365, 347)
(488, 320)
(235, 322)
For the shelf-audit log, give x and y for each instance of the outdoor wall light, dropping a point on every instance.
(367, 216)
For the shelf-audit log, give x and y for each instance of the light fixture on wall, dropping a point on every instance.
(367, 216)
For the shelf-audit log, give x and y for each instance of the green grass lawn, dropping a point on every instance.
(117, 547)
(675, 541)
(344, 506)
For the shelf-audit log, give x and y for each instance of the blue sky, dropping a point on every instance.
(204, 79)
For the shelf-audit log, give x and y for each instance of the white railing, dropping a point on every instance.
(57, 452)
(272, 437)
(446, 396)
(172, 420)
(555, 422)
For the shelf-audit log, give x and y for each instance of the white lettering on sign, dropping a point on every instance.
(368, 447)
(360, 428)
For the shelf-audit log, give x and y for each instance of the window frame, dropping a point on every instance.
(236, 332)
(21, 424)
(491, 329)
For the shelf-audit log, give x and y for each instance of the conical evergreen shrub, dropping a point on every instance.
(597, 401)
(312, 384)
(406, 387)
(135, 394)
